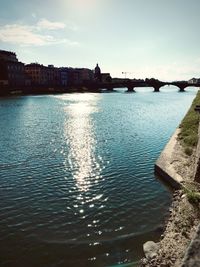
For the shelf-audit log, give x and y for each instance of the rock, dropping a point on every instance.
(150, 249)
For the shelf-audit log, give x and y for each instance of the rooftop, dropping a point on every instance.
(8, 53)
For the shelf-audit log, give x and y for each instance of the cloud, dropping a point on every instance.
(26, 35)
(71, 26)
(23, 35)
(48, 25)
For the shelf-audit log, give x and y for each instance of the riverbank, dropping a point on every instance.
(177, 165)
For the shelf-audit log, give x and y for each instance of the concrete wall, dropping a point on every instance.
(165, 164)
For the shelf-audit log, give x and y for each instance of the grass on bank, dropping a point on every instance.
(192, 193)
(189, 127)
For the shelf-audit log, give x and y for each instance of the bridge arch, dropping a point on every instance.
(181, 86)
(168, 87)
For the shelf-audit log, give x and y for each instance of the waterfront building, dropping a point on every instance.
(37, 73)
(101, 77)
(86, 74)
(8, 56)
(3, 75)
(50, 73)
(63, 76)
(53, 76)
(79, 76)
(56, 77)
(73, 76)
(105, 77)
(47, 75)
(14, 74)
(16, 77)
(11, 70)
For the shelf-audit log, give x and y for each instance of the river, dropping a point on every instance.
(77, 185)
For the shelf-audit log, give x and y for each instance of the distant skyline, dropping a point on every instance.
(147, 38)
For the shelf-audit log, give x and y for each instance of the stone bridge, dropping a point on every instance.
(131, 85)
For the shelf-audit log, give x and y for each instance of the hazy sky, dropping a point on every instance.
(148, 38)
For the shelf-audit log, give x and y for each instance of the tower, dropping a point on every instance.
(97, 73)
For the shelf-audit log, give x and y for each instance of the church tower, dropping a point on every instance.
(97, 73)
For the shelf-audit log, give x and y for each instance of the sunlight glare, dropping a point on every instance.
(79, 132)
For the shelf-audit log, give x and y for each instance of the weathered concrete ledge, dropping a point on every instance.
(177, 169)
(180, 242)
(192, 255)
(165, 167)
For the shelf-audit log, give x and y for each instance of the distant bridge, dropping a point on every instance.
(131, 85)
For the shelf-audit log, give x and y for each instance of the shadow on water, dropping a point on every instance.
(164, 182)
(47, 252)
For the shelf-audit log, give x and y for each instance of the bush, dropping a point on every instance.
(188, 151)
(193, 197)
(192, 193)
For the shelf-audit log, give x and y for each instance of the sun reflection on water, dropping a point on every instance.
(80, 136)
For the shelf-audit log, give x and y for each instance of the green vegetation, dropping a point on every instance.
(188, 151)
(189, 127)
(193, 196)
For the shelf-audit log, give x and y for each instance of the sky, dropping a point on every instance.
(145, 38)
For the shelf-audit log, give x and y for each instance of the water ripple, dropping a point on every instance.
(77, 182)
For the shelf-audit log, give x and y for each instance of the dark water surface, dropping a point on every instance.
(77, 186)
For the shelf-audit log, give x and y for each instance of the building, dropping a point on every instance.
(86, 75)
(8, 56)
(63, 76)
(37, 73)
(105, 77)
(16, 77)
(3, 75)
(97, 73)
(48, 76)
(79, 76)
(194, 81)
(11, 70)
(101, 77)
(14, 74)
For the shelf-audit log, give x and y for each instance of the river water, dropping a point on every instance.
(77, 185)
